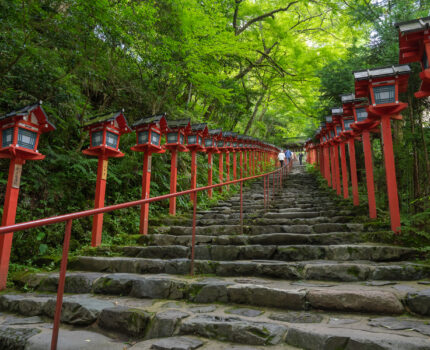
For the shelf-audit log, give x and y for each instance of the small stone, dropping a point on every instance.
(296, 317)
(419, 302)
(177, 343)
(424, 282)
(164, 323)
(400, 324)
(203, 309)
(245, 312)
(306, 284)
(16, 338)
(122, 319)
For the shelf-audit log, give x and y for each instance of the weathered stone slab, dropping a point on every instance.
(22, 304)
(234, 329)
(355, 300)
(419, 302)
(252, 294)
(244, 312)
(16, 338)
(177, 343)
(401, 323)
(296, 317)
(124, 320)
(165, 323)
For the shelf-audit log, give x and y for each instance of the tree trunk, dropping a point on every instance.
(415, 173)
(254, 113)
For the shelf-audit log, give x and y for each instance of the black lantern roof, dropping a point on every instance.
(240, 137)
(229, 134)
(350, 98)
(415, 25)
(179, 123)
(109, 117)
(202, 127)
(160, 118)
(367, 74)
(215, 132)
(38, 111)
(337, 111)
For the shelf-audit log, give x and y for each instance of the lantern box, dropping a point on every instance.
(105, 132)
(414, 45)
(229, 138)
(337, 113)
(175, 134)
(211, 140)
(20, 132)
(196, 136)
(240, 144)
(383, 86)
(148, 133)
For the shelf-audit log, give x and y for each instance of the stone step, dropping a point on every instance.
(323, 270)
(218, 230)
(262, 239)
(348, 252)
(142, 319)
(387, 297)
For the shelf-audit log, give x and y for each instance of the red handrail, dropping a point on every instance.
(68, 218)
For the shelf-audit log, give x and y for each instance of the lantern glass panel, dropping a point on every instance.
(425, 60)
(329, 119)
(181, 138)
(111, 139)
(200, 140)
(97, 138)
(338, 130)
(192, 139)
(155, 138)
(220, 143)
(208, 142)
(347, 124)
(234, 144)
(142, 137)
(172, 137)
(361, 114)
(26, 138)
(7, 137)
(384, 94)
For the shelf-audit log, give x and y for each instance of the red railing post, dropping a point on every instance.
(344, 170)
(193, 239)
(193, 172)
(234, 165)
(245, 163)
(227, 164)
(61, 283)
(336, 166)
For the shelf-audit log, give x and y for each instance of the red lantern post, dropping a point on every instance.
(363, 126)
(383, 85)
(337, 129)
(148, 140)
(105, 132)
(19, 138)
(195, 144)
(175, 139)
(211, 149)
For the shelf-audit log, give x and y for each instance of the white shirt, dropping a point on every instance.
(281, 156)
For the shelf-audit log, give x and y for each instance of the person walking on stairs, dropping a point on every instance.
(288, 155)
(300, 158)
(281, 158)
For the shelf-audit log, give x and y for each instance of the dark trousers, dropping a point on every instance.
(282, 163)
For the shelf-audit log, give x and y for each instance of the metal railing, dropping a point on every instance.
(276, 176)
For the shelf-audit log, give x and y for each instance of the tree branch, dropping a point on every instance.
(245, 71)
(263, 16)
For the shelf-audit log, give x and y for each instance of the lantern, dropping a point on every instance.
(175, 142)
(105, 131)
(19, 137)
(414, 45)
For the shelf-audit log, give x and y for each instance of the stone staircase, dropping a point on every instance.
(301, 276)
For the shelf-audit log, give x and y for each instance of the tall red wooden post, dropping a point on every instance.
(173, 180)
(221, 148)
(211, 148)
(353, 167)
(344, 170)
(245, 164)
(337, 129)
(19, 137)
(367, 149)
(105, 132)
(383, 85)
(175, 142)
(195, 143)
(148, 140)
